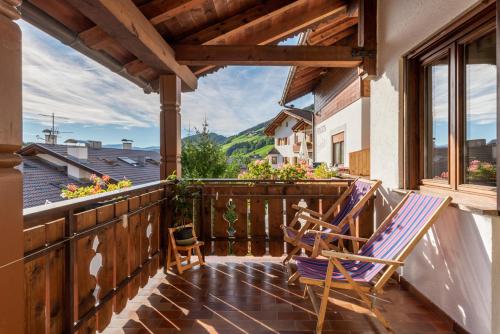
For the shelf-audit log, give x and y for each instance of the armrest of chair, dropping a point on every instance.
(347, 256)
(340, 236)
(309, 211)
(320, 223)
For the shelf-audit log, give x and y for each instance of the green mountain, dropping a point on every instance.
(219, 139)
(250, 142)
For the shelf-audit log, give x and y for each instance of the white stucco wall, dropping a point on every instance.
(456, 264)
(354, 121)
(283, 131)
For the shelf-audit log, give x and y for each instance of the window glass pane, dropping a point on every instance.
(338, 153)
(437, 119)
(480, 112)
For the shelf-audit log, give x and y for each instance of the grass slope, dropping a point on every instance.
(250, 142)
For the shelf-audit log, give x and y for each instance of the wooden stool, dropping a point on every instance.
(174, 250)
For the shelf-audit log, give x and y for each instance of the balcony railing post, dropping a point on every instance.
(69, 274)
(11, 180)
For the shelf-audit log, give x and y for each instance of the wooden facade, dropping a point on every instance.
(359, 162)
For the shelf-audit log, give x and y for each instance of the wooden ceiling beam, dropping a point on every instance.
(238, 23)
(303, 15)
(126, 24)
(159, 11)
(367, 35)
(156, 11)
(341, 35)
(336, 28)
(268, 55)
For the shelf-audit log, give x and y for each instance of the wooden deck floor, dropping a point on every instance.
(250, 295)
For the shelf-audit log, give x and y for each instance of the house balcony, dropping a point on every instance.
(97, 264)
(296, 147)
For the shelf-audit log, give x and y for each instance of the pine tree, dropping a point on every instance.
(202, 157)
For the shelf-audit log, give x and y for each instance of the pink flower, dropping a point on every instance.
(93, 177)
(71, 187)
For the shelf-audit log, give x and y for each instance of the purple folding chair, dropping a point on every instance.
(345, 212)
(369, 270)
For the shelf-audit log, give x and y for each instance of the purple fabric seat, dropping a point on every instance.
(359, 190)
(386, 243)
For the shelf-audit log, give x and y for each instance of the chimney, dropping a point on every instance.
(79, 152)
(127, 144)
(50, 139)
(95, 144)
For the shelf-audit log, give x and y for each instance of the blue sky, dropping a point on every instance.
(101, 105)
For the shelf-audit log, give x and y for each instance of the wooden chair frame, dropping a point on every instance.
(174, 251)
(316, 220)
(363, 289)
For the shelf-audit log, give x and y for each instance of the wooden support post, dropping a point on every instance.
(170, 125)
(11, 180)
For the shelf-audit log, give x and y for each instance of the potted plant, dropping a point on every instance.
(183, 212)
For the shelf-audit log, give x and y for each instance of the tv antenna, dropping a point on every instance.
(53, 130)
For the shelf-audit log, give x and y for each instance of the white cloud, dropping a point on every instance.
(60, 80)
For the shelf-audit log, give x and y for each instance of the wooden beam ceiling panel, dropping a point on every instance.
(268, 55)
(335, 29)
(157, 12)
(290, 22)
(341, 35)
(274, 28)
(125, 23)
(239, 22)
(168, 9)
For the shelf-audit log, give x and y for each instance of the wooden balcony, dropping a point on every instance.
(85, 258)
(296, 147)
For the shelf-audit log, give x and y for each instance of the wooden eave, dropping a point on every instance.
(137, 38)
(356, 29)
(282, 116)
(301, 126)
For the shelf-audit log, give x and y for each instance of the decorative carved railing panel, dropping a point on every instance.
(84, 267)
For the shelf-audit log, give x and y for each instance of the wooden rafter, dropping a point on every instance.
(276, 27)
(272, 55)
(336, 28)
(240, 22)
(156, 11)
(123, 21)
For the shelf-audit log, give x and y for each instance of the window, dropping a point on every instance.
(274, 160)
(285, 160)
(338, 149)
(295, 160)
(436, 118)
(479, 158)
(451, 108)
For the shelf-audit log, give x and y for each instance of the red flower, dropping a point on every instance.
(106, 178)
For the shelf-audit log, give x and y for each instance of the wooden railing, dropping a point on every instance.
(261, 208)
(85, 258)
(359, 162)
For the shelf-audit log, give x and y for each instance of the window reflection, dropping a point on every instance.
(480, 112)
(437, 119)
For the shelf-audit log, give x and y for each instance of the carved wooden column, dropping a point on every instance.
(170, 125)
(11, 181)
